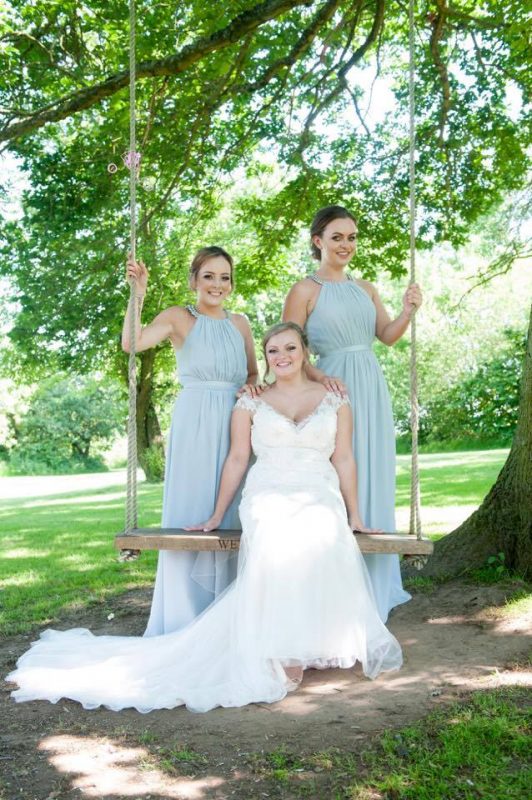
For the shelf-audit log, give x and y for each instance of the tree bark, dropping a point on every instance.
(503, 522)
(150, 445)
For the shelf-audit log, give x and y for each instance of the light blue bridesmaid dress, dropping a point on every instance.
(212, 366)
(341, 330)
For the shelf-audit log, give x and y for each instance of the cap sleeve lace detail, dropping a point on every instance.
(336, 401)
(247, 403)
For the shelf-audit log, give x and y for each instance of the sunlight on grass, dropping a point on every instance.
(20, 579)
(436, 520)
(519, 605)
(25, 552)
(78, 567)
(452, 487)
(478, 751)
(107, 767)
(94, 500)
(474, 749)
(58, 552)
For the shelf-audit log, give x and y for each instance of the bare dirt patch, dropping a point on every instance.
(455, 637)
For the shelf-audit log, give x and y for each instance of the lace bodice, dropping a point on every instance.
(273, 433)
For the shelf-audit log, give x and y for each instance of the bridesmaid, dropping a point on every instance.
(216, 356)
(342, 315)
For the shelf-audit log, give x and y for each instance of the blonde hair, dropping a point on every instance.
(281, 327)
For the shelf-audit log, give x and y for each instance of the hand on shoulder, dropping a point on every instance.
(252, 390)
(334, 385)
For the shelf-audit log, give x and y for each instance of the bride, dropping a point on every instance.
(302, 596)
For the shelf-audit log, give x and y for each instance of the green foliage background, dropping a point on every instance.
(251, 115)
(69, 423)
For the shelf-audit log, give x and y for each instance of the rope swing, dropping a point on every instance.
(415, 501)
(133, 538)
(133, 163)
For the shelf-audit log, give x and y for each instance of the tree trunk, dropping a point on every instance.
(150, 445)
(503, 522)
(81, 449)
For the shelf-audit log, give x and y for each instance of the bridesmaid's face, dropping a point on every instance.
(285, 354)
(213, 282)
(338, 242)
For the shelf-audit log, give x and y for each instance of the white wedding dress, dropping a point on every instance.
(302, 598)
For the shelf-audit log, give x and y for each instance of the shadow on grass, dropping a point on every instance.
(454, 479)
(477, 748)
(145, 489)
(60, 557)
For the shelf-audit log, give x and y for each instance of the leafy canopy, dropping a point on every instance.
(219, 84)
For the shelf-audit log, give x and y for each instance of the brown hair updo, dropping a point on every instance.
(203, 255)
(323, 217)
(281, 327)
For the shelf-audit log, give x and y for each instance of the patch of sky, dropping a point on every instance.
(13, 184)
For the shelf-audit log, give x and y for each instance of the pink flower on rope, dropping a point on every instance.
(131, 159)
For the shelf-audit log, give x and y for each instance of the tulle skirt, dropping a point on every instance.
(302, 598)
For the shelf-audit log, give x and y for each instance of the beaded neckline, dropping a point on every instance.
(197, 314)
(322, 282)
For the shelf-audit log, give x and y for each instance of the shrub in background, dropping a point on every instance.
(69, 423)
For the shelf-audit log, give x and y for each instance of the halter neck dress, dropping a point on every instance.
(341, 331)
(212, 366)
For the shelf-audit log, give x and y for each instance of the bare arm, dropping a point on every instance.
(387, 330)
(344, 463)
(234, 468)
(241, 322)
(169, 324)
(161, 328)
(299, 303)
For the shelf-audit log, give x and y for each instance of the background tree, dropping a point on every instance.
(215, 85)
(503, 522)
(68, 424)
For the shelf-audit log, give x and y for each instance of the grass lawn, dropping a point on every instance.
(473, 750)
(452, 487)
(57, 550)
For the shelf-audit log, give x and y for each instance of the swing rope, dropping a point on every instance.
(131, 492)
(132, 162)
(415, 502)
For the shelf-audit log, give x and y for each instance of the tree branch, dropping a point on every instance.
(378, 21)
(359, 113)
(333, 68)
(514, 251)
(303, 43)
(437, 33)
(486, 23)
(220, 94)
(171, 65)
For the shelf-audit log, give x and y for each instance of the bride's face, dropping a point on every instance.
(285, 354)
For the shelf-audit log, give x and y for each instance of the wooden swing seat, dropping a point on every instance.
(179, 539)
